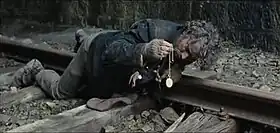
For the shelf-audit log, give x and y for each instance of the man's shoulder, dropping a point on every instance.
(106, 34)
(107, 37)
(148, 29)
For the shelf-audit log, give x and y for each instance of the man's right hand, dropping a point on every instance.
(157, 49)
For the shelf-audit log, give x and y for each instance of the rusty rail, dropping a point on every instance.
(236, 101)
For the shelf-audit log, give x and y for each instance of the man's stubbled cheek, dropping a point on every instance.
(195, 48)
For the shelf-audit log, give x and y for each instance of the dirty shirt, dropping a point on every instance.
(113, 56)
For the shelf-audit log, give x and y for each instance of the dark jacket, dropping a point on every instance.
(114, 55)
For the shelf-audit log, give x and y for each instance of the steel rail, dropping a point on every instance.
(236, 101)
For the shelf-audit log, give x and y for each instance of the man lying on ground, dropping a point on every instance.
(111, 61)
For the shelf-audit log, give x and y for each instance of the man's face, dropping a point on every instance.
(188, 49)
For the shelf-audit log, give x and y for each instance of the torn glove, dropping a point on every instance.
(156, 49)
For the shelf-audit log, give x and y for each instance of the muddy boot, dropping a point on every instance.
(80, 36)
(25, 76)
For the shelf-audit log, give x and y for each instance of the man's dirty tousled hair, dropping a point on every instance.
(204, 30)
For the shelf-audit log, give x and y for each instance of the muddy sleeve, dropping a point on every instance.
(124, 52)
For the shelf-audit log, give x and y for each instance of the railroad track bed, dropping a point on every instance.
(252, 68)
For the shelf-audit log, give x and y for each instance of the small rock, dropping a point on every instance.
(109, 129)
(255, 74)
(33, 113)
(146, 128)
(4, 118)
(245, 63)
(8, 124)
(139, 120)
(159, 123)
(74, 101)
(219, 72)
(240, 72)
(261, 61)
(130, 117)
(256, 85)
(137, 117)
(236, 62)
(51, 104)
(159, 128)
(131, 124)
(262, 55)
(27, 41)
(265, 88)
(13, 89)
(169, 115)
(134, 127)
(273, 63)
(158, 119)
(145, 114)
(153, 111)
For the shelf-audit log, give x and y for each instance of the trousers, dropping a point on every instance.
(71, 83)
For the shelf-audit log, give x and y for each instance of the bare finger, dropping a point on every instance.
(164, 53)
(165, 43)
(164, 48)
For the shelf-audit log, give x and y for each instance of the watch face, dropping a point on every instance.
(169, 82)
(139, 76)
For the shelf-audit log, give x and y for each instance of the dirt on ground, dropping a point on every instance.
(21, 114)
(147, 121)
(248, 67)
(5, 63)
